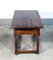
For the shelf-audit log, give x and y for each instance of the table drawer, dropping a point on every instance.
(27, 31)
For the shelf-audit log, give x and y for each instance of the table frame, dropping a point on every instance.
(34, 32)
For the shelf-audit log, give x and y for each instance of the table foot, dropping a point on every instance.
(16, 52)
(37, 51)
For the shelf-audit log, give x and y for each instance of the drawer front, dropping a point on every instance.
(27, 32)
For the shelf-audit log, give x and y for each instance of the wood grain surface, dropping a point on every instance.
(26, 19)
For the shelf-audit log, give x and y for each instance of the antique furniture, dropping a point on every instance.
(26, 22)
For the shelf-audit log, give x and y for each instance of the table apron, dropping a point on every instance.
(33, 32)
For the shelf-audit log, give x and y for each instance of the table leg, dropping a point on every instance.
(19, 40)
(15, 42)
(33, 39)
(37, 43)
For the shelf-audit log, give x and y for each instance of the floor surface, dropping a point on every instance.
(7, 45)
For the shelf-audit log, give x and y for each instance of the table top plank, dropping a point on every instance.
(26, 19)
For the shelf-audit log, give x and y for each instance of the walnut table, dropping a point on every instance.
(26, 22)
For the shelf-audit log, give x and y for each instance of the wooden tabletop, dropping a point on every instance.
(26, 19)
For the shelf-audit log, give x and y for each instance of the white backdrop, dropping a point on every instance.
(7, 7)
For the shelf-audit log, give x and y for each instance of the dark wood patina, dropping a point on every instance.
(26, 22)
